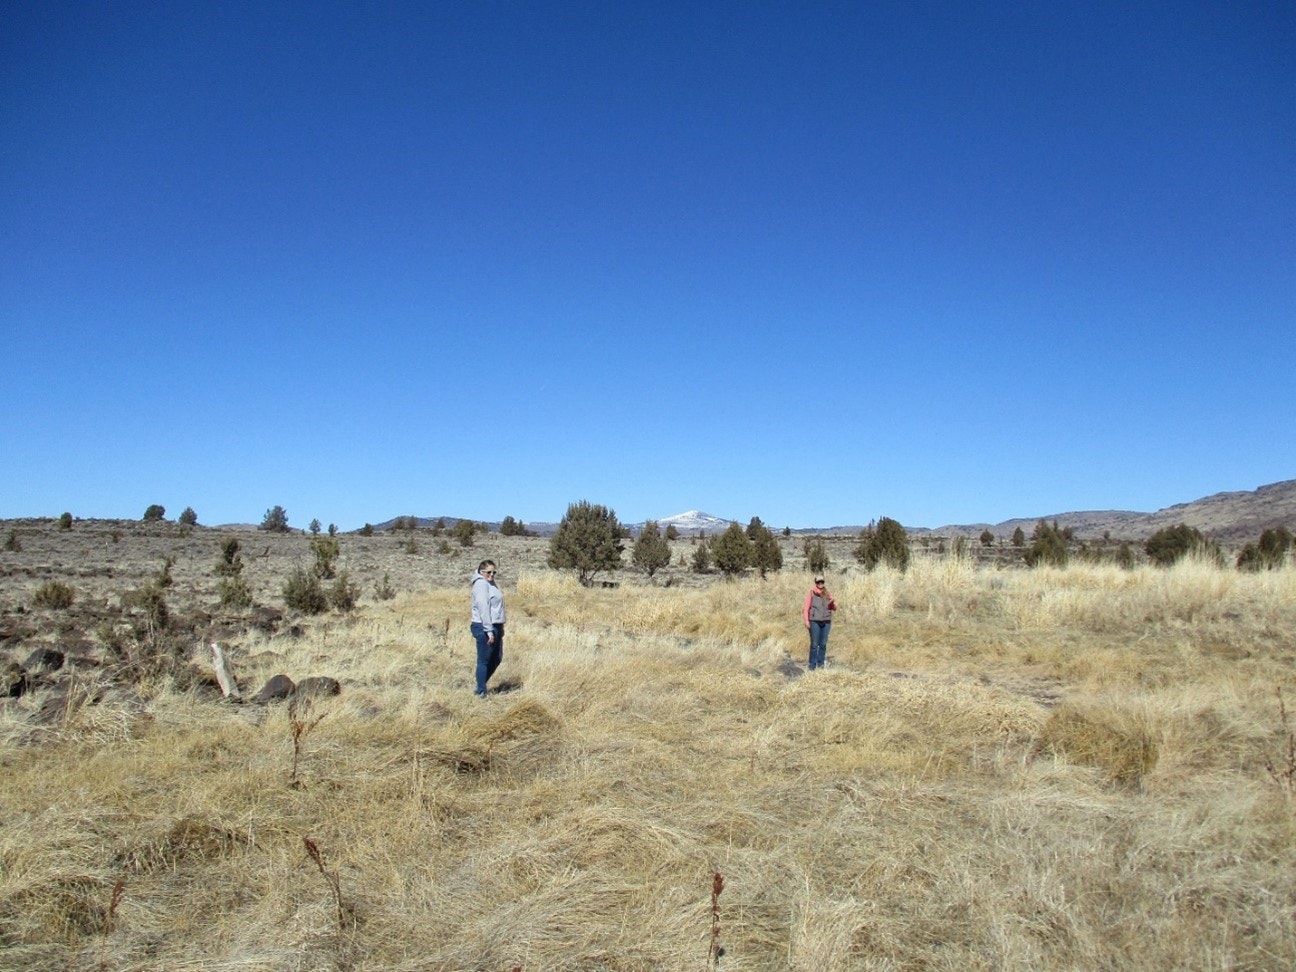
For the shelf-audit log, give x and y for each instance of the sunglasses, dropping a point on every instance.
(488, 573)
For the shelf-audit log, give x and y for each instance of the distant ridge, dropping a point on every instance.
(1232, 516)
(1229, 517)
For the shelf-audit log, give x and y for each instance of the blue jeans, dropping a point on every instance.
(818, 643)
(489, 655)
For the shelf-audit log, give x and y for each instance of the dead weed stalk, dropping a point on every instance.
(312, 849)
(1284, 773)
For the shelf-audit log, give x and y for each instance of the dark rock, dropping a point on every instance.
(318, 686)
(13, 681)
(279, 687)
(44, 660)
(267, 619)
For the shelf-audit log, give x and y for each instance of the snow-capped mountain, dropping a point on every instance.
(695, 521)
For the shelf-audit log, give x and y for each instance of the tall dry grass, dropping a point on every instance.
(998, 770)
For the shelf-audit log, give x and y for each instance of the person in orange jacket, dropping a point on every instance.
(819, 606)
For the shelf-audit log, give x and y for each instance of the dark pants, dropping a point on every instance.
(818, 642)
(489, 655)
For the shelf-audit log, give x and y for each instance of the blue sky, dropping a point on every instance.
(813, 262)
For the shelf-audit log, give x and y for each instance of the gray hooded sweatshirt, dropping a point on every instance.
(487, 601)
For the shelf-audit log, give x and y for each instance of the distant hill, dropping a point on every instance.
(1229, 517)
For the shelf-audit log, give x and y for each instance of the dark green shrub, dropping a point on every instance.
(302, 592)
(1048, 546)
(326, 552)
(383, 590)
(510, 527)
(651, 551)
(230, 562)
(366, 530)
(671, 532)
(163, 578)
(464, 531)
(54, 596)
(65, 521)
(987, 538)
(1171, 544)
(702, 557)
(343, 595)
(155, 513)
(766, 553)
(1269, 554)
(12, 543)
(588, 540)
(1019, 538)
(188, 517)
(732, 551)
(816, 555)
(151, 603)
(885, 542)
(315, 527)
(234, 592)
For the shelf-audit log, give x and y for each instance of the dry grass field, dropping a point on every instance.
(1086, 768)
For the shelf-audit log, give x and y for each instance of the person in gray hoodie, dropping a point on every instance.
(487, 623)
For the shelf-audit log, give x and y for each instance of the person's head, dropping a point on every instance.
(819, 583)
(486, 568)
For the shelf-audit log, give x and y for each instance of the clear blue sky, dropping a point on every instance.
(813, 262)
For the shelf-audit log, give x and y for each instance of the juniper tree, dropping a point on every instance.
(732, 551)
(816, 555)
(1048, 546)
(275, 520)
(651, 551)
(884, 542)
(1171, 544)
(766, 553)
(588, 540)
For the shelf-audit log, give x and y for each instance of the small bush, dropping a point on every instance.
(816, 555)
(1170, 545)
(651, 552)
(1269, 554)
(344, 595)
(234, 592)
(732, 551)
(885, 543)
(12, 543)
(1048, 546)
(702, 557)
(188, 517)
(383, 590)
(155, 513)
(65, 521)
(464, 531)
(326, 552)
(149, 601)
(54, 596)
(302, 592)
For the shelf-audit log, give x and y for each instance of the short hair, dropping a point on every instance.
(484, 564)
